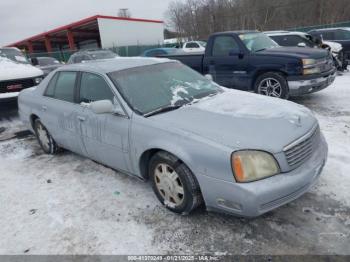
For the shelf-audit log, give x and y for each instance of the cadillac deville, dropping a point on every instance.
(197, 142)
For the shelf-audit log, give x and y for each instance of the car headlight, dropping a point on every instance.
(310, 71)
(37, 80)
(308, 62)
(251, 165)
(310, 67)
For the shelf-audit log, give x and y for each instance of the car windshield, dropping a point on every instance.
(14, 54)
(153, 87)
(102, 55)
(202, 43)
(45, 61)
(256, 42)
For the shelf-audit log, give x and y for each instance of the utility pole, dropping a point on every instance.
(124, 12)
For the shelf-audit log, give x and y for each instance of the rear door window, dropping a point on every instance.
(63, 88)
(51, 86)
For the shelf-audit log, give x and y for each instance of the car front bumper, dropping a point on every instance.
(8, 96)
(301, 86)
(256, 198)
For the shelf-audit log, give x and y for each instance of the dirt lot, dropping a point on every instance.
(67, 204)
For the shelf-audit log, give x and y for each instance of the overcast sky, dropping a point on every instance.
(20, 19)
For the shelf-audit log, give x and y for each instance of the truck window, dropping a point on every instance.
(342, 35)
(328, 35)
(223, 45)
(192, 45)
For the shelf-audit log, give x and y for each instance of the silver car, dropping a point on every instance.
(197, 142)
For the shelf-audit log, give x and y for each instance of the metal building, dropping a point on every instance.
(98, 31)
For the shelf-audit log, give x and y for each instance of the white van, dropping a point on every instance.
(16, 73)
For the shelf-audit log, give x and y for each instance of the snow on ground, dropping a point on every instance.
(67, 204)
(332, 108)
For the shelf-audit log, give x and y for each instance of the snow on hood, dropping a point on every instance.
(244, 104)
(10, 70)
(241, 120)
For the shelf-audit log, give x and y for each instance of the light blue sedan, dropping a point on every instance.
(196, 142)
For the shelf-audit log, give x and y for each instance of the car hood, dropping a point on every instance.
(242, 120)
(10, 70)
(50, 67)
(298, 52)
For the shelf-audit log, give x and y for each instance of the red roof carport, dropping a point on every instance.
(69, 36)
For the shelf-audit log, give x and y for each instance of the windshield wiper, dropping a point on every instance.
(162, 110)
(262, 49)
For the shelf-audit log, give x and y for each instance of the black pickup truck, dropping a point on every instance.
(251, 61)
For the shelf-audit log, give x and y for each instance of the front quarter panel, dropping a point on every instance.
(200, 155)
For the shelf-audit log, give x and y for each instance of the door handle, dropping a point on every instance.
(81, 118)
(43, 108)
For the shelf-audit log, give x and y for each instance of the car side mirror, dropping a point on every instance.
(34, 61)
(209, 77)
(302, 45)
(236, 52)
(102, 107)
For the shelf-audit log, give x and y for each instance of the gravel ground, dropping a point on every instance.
(67, 204)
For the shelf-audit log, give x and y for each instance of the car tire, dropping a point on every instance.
(46, 141)
(174, 184)
(272, 84)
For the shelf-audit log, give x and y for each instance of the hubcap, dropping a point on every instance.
(270, 87)
(43, 137)
(169, 184)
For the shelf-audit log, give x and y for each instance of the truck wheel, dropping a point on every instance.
(272, 84)
(46, 142)
(174, 184)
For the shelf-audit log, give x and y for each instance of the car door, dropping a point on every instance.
(104, 136)
(226, 62)
(59, 109)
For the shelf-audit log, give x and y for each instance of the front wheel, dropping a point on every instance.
(174, 184)
(272, 84)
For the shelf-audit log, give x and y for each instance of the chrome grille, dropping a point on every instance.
(300, 150)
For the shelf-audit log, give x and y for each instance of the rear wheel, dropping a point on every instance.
(272, 84)
(46, 142)
(174, 184)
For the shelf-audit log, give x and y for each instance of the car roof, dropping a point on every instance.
(115, 64)
(329, 29)
(89, 51)
(277, 33)
(237, 32)
(45, 57)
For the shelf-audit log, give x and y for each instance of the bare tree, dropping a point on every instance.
(199, 18)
